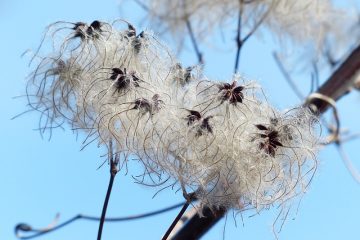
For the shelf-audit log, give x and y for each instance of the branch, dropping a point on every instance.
(197, 226)
(176, 220)
(241, 41)
(194, 42)
(23, 227)
(189, 199)
(338, 85)
(114, 160)
(287, 77)
(340, 82)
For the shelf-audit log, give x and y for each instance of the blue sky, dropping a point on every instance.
(40, 178)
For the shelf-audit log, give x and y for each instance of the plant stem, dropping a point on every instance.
(113, 171)
(176, 220)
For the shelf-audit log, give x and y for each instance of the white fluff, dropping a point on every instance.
(122, 86)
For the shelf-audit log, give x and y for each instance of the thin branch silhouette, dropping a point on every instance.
(348, 163)
(241, 41)
(194, 42)
(197, 226)
(287, 77)
(336, 138)
(189, 198)
(114, 160)
(176, 220)
(23, 227)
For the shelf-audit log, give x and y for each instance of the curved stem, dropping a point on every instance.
(38, 232)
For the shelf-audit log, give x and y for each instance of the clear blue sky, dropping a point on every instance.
(40, 178)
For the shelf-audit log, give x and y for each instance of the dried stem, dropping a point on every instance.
(197, 226)
(176, 220)
(194, 42)
(39, 232)
(113, 171)
(189, 198)
(240, 41)
(287, 77)
(348, 163)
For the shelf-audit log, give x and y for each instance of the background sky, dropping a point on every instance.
(39, 178)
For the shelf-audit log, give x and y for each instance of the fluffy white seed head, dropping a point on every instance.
(126, 90)
(316, 24)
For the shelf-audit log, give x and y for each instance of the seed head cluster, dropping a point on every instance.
(221, 140)
(320, 25)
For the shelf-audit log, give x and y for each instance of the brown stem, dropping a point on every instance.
(340, 82)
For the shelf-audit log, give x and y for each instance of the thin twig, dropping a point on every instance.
(198, 225)
(192, 35)
(114, 160)
(239, 41)
(142, 5)
(189, 198)
(194, 42)
(176, 220)
(348, 163)
(335, 137)
(330, 59)
(38, 232)
(287, 77)
(314, 78)
(351, 137)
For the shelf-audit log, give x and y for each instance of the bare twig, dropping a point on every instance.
(189, 198)
(287, 77)
(192, 35)
(336, 138)
(22, 227)
(194, 42)
(314, 77)
(142, 5)
(197, 226)
(348, 163)
(176, 220)
(241, 41)
(330, 59)
(186, 216)
(114, 160)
